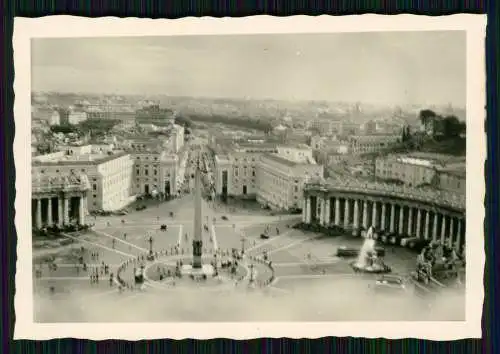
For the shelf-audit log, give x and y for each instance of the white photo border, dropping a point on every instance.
(52, 26)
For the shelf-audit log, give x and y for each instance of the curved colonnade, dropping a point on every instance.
(423, 214)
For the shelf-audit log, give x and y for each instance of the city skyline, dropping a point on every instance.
(412, 67)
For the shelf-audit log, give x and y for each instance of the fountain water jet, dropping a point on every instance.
(368, 261)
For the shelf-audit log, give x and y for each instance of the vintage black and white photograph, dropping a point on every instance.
(265, 177)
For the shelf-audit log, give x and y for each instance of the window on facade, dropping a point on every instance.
(94, 187)
(57, 171)
(253, 173)
(146, 172)
(155, 172)
(94, 196)
(138, 172)
(83, 170)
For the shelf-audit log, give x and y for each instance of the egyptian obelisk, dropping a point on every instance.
(197, 232)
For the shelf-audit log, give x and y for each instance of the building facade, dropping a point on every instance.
(58, 199)
(109, 175)
(75, 117)
(281, 178)
(362, 144)
(416, 171)
(235, 168)
(155, 166)
(169, 173)
(411, 171)
(430, 215)
(146, 175)
(452, 180)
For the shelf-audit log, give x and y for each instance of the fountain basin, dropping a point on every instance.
(371, 269)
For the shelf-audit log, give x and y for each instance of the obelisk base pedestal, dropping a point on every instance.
(150, 256)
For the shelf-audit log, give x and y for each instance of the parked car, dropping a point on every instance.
(390, 283)
(224, 217)
(344, 251)
(264, 236)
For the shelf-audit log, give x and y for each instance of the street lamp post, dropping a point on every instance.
(251, 273)
(150, 255)
(243, 240)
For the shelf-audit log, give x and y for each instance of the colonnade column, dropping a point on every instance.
(365, 214)
(308, 210)
(374, 214)
(410, 221)
(401, 219)
(327, 211)
(443, 228)
(459, 235)
(86, 205)
(393, 217)
(38, 213)
(304, 210)
(450, 238)
(419, 221)
(337, 211)
(81, 216)
(321, 211)
(60, 214)
(346, 212)
(427, 224)
(382, 221)
(356, 214)
(435, 227)
(66, 210)
(49, 211)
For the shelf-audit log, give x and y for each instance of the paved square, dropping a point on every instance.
(302, 262)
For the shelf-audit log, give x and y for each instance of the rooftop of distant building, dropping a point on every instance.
(63, 158)
(291, 160)
(441, 161)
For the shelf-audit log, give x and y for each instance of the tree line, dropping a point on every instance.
(445, 127)
(92, 126)
(243, 122)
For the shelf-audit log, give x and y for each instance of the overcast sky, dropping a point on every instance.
(381, 67)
